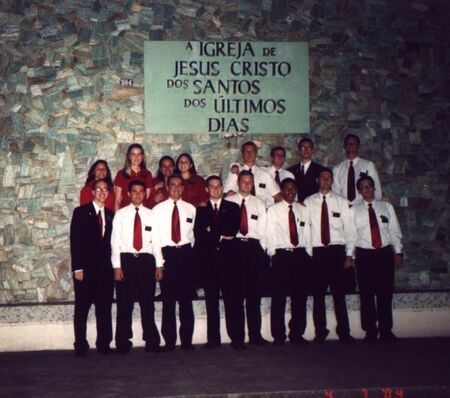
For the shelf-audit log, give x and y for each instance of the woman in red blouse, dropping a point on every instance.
(134, 169)
(160, 190)
(194, 185)
(98, 170)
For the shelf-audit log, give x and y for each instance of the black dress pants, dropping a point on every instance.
(178, 285)
(138, 284)
(328, 270)
(291, 276)
(244, 280)
(95, 289)
(375, 273)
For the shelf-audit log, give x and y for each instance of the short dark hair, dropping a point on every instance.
(325, 169)
(303, 140)
(350, 135)
(173, 176)
(96, 182)
(213, 177)
(287, 181)
(277, 148)
(364, 178)
(244, 173)
(135, 183)
(248, 143)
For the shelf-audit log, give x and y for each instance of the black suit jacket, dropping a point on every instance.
(89, 251)
(307, 184)
(207, 231)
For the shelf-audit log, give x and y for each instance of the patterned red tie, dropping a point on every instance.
(292, 227)
(100, 223)
(216, 212)
(374, 228)
(351, 193)
(137, 232)
(176, 231)
(324, 224)
(243, 226)
(277, 177)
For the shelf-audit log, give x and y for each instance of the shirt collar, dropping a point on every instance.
(218, 201)
(97, 207)
(355, 161)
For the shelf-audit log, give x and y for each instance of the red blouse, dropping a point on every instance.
(86, 196)
(150, 202)
(122, 181)
(195, 190)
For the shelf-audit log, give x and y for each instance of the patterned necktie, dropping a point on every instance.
(100, 223)
(324, 224)
(137, 231)
(292, 227)
(253, 192)
(277, 177)
(374, 228)
(351, 193)
(243, 226)
(176, 232)
(216, 212)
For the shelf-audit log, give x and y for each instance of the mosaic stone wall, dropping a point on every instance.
(379, 68)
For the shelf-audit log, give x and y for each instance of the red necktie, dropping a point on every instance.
(176, 232)
(351, 194)
(216, 212)
(253, 192)
(292, 227)
(324, 224)
(100, 223)
(374, 228)
(137, 232)
(277, 177)
(243, 226)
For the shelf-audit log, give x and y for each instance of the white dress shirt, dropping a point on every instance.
(123, 233)
(277, 232)
(265, 186)
(282, 172)
(387, 222)
(340, 216)
(162, 213)
(256, 216)
(361, 167)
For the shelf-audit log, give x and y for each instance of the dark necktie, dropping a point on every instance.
(351, 183)
(292, 227)
(277, 177)
(302, 170)
(374, 228)
(243, 226)
(216, 212)
(253, 192)
(324, 224)
(137, 231)
(176, 232)
(100, 223)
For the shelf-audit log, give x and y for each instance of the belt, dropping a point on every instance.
(290, 249)
(178, 246)
(247, 239)
(137, 255)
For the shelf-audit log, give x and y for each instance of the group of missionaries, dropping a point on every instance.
(272, 231)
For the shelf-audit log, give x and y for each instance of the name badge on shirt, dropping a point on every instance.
(189, 220)
(148, 228)
(302, 223)
(384, 219)
(254, 217)
(336, 214)
(364, 173)
(261, 185)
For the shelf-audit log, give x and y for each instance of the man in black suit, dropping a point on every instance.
(90, 237)
(306, 172)
(215, 227)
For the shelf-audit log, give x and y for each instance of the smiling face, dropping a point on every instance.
(215, 189)
(136, 157)
(278, 158)
(306, 150)
(366, 189)
(100, 171)
(167, 167)
(249, 154)
(184, 164)
(289, 192)
(245, 184)
(137, 195)
(176, 188)
(351, 147)
(325, 181)
(100, 191)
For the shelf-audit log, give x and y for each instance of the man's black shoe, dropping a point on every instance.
(239, 346)
(347, 339)
(299, 341)
(278, 342)
(211, 345)
(152, 348)
(258, 341)
(168, 348)
(187, 347)
(388, 337)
